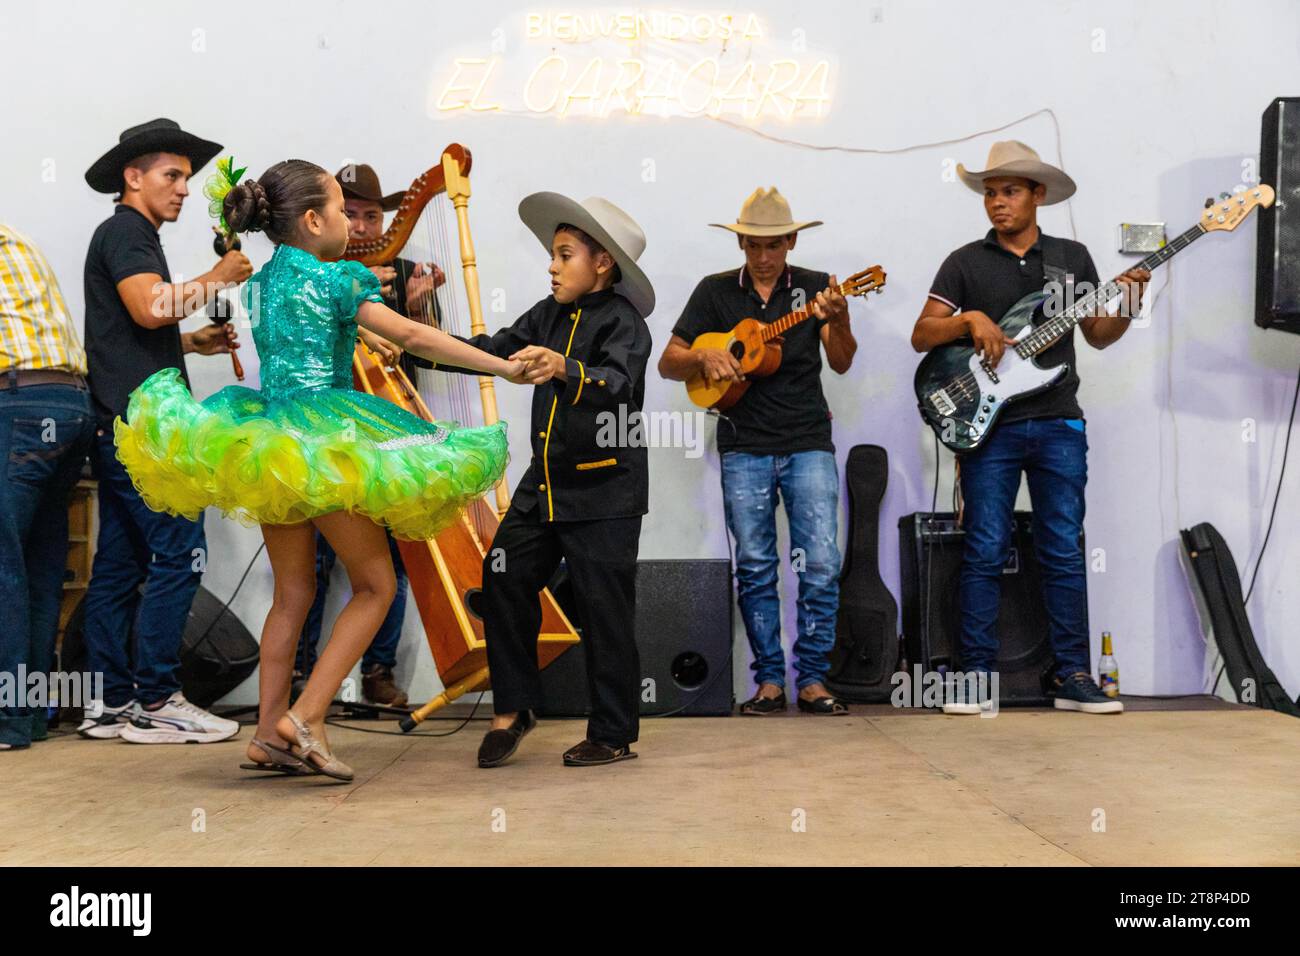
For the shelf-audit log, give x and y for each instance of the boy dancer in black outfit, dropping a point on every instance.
(585, 347)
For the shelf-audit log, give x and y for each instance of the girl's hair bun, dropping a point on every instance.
(246, 207)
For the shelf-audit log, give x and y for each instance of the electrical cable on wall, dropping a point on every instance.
(876, 151)
(1286, 448)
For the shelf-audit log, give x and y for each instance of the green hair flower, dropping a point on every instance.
(219, 184)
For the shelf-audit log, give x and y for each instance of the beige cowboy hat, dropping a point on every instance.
(610, 226)
(765, 213)
(1013, 158)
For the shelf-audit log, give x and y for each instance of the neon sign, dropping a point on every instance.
(641, 63)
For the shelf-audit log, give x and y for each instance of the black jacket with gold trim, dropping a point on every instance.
(589, 460)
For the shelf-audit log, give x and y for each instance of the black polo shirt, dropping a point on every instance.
(785, 412)
(396, 300)
(119, 352)
(985, 277)
(589, 459)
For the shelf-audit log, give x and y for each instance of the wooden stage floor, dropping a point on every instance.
(1167, 783)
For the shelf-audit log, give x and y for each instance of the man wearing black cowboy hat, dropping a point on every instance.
(407, 286)
(132, 315)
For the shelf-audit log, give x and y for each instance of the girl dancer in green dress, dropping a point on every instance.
(308, 452)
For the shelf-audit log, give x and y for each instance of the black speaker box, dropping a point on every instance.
(1277, 253)
(930, 552)
(217, 652)
(683, 634)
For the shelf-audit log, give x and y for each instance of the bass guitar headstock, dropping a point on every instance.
(1230, 209)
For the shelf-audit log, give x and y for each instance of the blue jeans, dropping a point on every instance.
(383, 649)
(45, 435)
(1053, 453)
(137, 547)
(808, 483)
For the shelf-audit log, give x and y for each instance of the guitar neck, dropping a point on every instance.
(1049, 333)
(786, 322)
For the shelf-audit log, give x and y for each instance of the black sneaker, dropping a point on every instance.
(498, 746)
(1080, 692)
(758, 706)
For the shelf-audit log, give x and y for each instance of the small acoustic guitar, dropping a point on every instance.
(756, 345)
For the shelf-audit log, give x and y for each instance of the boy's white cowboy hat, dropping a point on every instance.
(610, 226)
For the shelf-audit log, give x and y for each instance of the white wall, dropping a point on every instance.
(1164, 117)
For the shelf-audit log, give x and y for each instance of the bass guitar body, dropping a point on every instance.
(757, 358)
(961, 397)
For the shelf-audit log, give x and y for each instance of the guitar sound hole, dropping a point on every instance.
(737, 351)
(474, 602)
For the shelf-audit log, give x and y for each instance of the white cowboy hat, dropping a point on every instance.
(610, 226)
(765, 213)
(1012, 158)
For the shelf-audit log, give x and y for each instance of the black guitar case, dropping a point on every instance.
(867, 645)
(1216, 588)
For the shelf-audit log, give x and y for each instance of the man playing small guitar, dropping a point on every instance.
(776, 440)
(1041, 434)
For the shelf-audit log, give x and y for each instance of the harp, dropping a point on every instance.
(446, 571)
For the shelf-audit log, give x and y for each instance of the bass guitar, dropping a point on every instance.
(962, 396)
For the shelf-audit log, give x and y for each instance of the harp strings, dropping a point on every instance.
(450, 396)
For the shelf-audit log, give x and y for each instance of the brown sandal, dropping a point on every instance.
(589, 753)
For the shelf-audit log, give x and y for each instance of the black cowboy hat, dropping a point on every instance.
(360, 181)
(155, 136)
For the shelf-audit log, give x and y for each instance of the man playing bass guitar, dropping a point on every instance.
(1041, 434)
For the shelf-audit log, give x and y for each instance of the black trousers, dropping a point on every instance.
(601, 559)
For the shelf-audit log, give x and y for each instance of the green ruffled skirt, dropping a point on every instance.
(313, 452)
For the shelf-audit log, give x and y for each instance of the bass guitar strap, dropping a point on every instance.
(1054, 269)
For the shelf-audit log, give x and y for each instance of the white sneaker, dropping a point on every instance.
(109, 723)
(962, 707)
(178, 721)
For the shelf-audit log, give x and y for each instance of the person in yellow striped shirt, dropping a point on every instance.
(46, 431)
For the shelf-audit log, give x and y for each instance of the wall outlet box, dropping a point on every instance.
(1141, 237)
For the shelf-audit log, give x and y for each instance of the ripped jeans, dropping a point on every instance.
(808, 484)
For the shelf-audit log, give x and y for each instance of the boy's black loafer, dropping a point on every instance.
(589, 753)
(499, 745)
